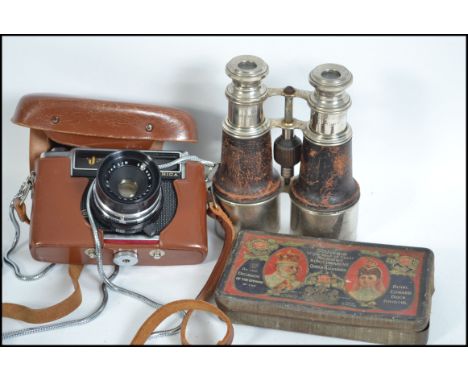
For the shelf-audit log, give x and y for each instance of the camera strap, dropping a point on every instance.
(24, 313)
(72, 302)
(17, 205)
(200, 303)
(51, 313)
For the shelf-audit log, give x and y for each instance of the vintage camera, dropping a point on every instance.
(324, 197)
(130, 194)
(144, 215)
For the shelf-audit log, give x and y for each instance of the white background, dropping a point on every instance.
(239, 16)
(408, 118)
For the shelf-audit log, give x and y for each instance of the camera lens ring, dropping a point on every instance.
(127, 190)
(122, 218)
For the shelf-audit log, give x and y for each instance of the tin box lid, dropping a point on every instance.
(325, 280)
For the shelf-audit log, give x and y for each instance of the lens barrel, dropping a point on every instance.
(127, 191)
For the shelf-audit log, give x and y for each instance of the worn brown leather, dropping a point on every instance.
(51, 313)
(176, 306)
(189, 223)
(206, 292)
(38, 143)
(96, 123)
(60, 233)
(246, 172)
(20, 209)
(325, 180)
(65, 307)
(217, 213)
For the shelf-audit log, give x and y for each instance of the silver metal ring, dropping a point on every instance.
(136, 217)
(329, 139)
(247, 132)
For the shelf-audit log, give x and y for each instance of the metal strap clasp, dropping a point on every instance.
(25, 188)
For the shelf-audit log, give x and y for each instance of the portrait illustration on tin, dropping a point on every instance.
(285, 270)
(367, 279)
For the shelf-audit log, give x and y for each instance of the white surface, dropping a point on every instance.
(243, 16)
(408, 118)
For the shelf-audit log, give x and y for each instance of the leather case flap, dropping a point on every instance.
(96, 123)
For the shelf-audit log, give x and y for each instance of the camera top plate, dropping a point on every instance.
(85, 162)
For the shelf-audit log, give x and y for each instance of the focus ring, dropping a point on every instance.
(119, 207)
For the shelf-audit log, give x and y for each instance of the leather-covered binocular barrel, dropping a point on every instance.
(245, 183)
(325, 195)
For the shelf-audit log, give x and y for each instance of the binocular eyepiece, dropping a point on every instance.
(324, 195)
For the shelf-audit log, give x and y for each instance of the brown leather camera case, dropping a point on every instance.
(59, 232)
(55, 119)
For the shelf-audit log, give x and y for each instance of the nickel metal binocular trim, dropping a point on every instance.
(325, 195)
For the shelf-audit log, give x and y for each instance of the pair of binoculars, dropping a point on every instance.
(324, 195)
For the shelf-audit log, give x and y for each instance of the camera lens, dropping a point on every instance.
(128, 188)
(127, 191)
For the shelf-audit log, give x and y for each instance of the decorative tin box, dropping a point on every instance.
(369, 292)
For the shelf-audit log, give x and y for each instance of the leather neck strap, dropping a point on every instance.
(51, 313)
(65, 307)
(207, 291)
